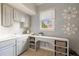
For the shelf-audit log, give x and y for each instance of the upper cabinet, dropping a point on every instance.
(16, 15)
(19, 16)
(22, 18)
(27, 21)
(7, 15)
(10, 15)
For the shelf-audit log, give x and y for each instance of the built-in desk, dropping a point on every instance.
(58, 44)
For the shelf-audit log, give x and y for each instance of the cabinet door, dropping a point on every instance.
(7, 51)
(17, 15)
(4, 15)
(25, 44)
(22, 17)
(7, 48)
(7, 15)
(21, 45)
(27, 21)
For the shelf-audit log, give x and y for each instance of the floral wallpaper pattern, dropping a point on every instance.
(68, 15)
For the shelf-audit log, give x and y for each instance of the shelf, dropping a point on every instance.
(32, 44)
(60, 52)
(60, 46)
(61, 43)
(32, 40)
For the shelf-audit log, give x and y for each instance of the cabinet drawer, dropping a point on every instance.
(61, 49)
(61, 43)
(6, 43)
(60, 54)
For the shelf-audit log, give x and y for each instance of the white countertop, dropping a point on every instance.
(10, 36)
(48, 37)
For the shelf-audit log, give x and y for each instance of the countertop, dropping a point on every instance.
(11, 36)
(48, 37)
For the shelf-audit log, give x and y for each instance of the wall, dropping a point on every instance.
(59, 21)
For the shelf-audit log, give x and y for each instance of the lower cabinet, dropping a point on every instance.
(22, 45)
(7, 48)
(13, 47)
(19, 47)
(7, 51)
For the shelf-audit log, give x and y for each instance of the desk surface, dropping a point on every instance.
(47, 37)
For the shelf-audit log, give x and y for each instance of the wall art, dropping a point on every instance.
(47, 19)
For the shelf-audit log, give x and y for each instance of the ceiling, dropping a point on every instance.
(34, 4)
(38, 4)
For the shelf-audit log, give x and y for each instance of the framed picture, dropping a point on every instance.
(47, 19)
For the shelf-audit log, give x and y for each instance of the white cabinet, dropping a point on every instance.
(22, 18)
(7, 15)
(7, 48)
(7, 51)
(19, 48)
(22, 45)
(27, 21)
(17, 15)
